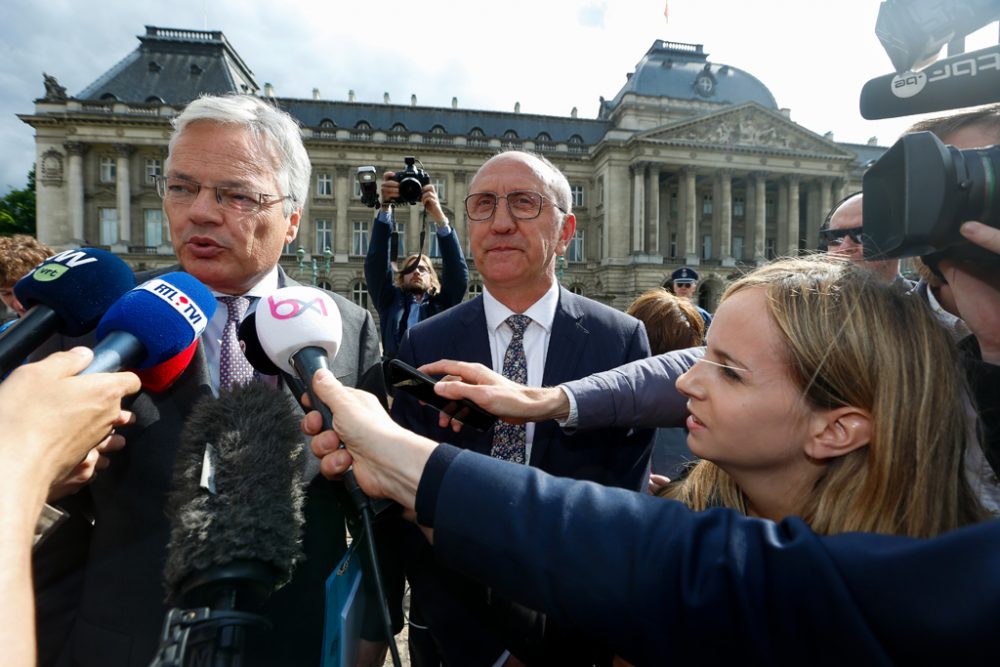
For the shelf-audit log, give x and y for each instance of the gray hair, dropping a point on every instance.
(271, 127)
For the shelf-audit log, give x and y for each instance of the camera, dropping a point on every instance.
(411, 182)
(917, 194)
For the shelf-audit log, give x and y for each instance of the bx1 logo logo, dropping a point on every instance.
(286, 309)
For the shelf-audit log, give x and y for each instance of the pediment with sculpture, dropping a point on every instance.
(747, 126)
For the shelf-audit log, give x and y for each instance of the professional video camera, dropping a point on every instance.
(411, 181)
(920, 191)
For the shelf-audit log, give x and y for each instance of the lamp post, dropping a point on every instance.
(315, 271)
(560, 267)
(301, 252)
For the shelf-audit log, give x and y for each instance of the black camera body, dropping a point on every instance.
(411, 182)
(917, 194)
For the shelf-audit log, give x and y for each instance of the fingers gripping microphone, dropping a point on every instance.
(157, 320)
(236, 522)
(67, 294)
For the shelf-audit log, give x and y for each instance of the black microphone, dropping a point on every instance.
(968, 79)
(235, 523)
(68, 293)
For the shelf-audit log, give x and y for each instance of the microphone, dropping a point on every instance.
(968, 79)
(161, 377)
(254, 352)
(157, 320)
(235, 522)
(300, 330)
(67, 294)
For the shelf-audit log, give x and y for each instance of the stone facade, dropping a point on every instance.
(691, 163)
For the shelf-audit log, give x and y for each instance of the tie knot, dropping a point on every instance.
(518, 323)
(236, 306)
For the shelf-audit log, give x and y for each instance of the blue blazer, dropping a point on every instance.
(470, 626)
(659, 584)
(390, 302)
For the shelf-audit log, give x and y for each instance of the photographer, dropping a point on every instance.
(414, 293)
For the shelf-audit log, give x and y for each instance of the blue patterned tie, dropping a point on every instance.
(509, 439)
(234, 369)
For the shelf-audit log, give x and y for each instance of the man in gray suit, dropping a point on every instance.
(236, 179)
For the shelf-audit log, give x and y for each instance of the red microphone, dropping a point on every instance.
(160, 377)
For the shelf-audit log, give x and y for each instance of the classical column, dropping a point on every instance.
(75, 150)
(814, 215)
(781, 223)
(652, 238)
(638, 207)
(124, 191)
(726, 217)
(792, 249)
(825, 197)
(690, 217)
(760, 213)
(343, 191)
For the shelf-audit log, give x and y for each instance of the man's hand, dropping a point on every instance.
(976, 288)
(508, 400)
(51, 418)
(387, 459)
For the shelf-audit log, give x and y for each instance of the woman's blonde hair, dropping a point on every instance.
(852, 340)
(672, 322)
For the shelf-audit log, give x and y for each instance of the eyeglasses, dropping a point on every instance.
(835, 237)
(182, 191)
(521, 204)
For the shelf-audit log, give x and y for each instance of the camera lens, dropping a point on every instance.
(410, 190)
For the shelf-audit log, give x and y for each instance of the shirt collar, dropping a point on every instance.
(267, 284)
(542, 312)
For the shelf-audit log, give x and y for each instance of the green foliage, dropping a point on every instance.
(17, 209)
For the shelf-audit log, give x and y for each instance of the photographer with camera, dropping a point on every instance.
(413, 293)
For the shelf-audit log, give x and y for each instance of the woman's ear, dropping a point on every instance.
(838, 432)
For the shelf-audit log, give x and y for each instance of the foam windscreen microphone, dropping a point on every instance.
(154, 322)
(235, 513)
(68, 293)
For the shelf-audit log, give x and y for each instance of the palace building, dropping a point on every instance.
(691, 163)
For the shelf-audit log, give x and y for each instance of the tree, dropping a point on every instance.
(17, 209)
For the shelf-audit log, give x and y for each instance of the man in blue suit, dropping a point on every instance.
(529, 328)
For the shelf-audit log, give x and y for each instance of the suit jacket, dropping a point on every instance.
(470, 626)
(390, 301)
(661, 584)
(641, 393)
(121, 605)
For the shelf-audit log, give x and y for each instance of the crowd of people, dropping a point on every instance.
(807, 475)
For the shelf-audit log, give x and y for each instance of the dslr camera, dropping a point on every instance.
(920, 191)
(411, 179)
(411, 182)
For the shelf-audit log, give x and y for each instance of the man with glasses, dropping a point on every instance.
(236, 179)
(526, 326)
(415, 292)
(842, 234)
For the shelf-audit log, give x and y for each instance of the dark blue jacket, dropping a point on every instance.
(659, 584)
(390, 301)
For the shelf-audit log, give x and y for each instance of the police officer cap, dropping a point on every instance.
(684, 275)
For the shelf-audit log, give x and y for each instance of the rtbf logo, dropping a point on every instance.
(287, 309)
(179, 302)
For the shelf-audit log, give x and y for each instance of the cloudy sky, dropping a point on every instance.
(549, 55)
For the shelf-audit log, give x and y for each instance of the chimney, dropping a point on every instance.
(572, 113)
(828, 136)
(454, 103)
(873, 141)
(350, 96)
(385, 98)
(786, 112)
(413, 100)
(517, 107)
(268, 90)
(315, 93)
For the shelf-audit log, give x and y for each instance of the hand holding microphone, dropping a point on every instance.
(68, 293)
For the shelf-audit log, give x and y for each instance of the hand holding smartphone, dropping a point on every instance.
(404, 377)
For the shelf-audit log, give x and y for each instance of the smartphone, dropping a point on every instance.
(406, 378)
